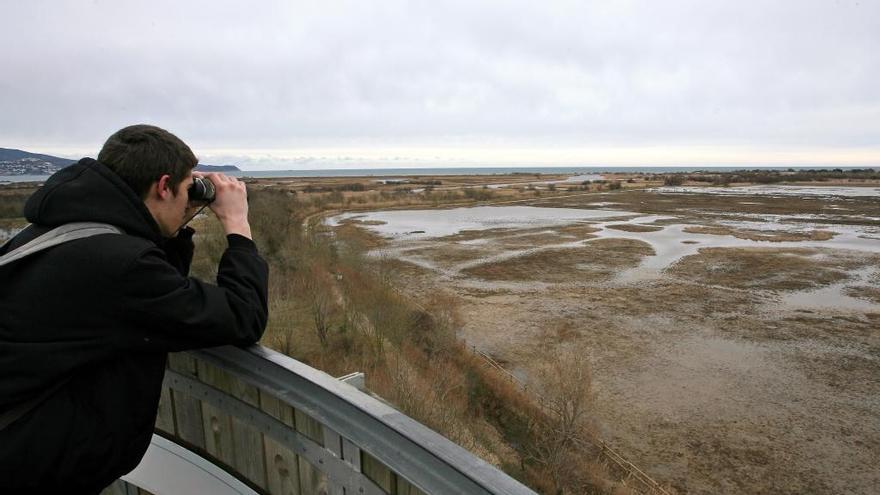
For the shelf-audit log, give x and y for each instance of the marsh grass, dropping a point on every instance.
(629, 227)
(596, 260)
(865, 292)
(771, 268)
(762, 235)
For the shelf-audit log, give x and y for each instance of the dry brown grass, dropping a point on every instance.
(350, 234)
(768, 268)
(579, 230)
(597, 260)
(859, 210)
(12, 199)
(631, 227)
(865, 292)
(762, 235)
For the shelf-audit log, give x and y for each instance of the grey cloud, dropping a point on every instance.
(283, 74)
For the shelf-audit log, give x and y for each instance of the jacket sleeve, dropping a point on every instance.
(168, 311)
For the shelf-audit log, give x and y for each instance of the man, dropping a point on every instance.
(85, 326)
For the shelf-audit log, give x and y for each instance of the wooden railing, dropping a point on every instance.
(275, 425)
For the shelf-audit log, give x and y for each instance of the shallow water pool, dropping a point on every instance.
(423, 224)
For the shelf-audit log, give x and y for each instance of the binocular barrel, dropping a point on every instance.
(202, 190)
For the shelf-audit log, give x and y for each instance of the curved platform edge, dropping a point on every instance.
(168, 468)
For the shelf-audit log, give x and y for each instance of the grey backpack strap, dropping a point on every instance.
(59, 235)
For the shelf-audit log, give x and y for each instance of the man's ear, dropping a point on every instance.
(163, 187)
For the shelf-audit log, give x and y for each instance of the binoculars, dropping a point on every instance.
(202, 190)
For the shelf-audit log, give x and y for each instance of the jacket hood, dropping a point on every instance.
(88, 191)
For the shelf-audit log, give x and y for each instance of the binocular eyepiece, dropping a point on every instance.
(202, 190)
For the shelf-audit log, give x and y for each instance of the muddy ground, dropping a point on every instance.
(750, 365)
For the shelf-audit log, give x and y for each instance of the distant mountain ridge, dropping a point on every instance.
(19, 162)
(217, 168)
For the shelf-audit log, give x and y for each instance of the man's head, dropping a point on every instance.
(157, 166)
(141, 154)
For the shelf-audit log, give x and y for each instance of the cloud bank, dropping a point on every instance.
(486, 82)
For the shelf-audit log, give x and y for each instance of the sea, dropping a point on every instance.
(413, 172)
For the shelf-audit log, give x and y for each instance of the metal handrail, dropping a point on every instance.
(424, 458)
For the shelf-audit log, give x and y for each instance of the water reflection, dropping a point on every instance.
(426, 224)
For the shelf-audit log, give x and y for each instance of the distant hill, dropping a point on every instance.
(217, 168)
(18, 162)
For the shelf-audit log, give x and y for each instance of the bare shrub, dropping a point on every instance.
(373, 307)
(673, 180)
(435, 327)
(481, 194)
(316, 292)
(564, 380)
(430, 389)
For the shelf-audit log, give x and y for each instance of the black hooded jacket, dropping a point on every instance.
(100, 314)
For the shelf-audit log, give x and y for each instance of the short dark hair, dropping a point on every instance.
(141, 154)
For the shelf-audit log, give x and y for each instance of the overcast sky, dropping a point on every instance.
(416, 83)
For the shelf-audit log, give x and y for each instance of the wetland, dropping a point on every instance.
(732, 332)
(727, 336)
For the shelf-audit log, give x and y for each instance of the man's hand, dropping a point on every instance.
(230, 204)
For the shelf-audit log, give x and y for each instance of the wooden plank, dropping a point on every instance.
(165, 414)
(333, 444)
(248, 452)
(406, 488)
(116, 488)
(351, 454)
(247, 441)
(282, 465)
(120, 487)
(188, 421)
(183, 363)
(378, 472)
(282, 469)
(217, 424)
(309, 427)
(230, 439)
(276, 408)
(332, 441)
(335, 488)
(311, 480)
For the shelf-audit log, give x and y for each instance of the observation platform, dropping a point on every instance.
(251, 420)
